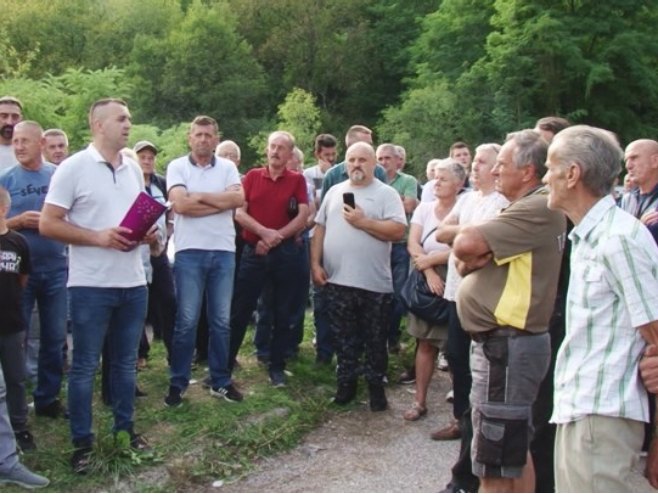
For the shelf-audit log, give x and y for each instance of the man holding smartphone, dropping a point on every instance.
(350, 258)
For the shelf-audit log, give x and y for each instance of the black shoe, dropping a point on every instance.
(378, 402)
(206, 383)
(452, 487)
(139, 442)
(54, 410)
(277, 378)
(81, 460)
(139, 393)
(263, 359)
(25, 441)
(230, 393)
(175, 397)
(345, 393)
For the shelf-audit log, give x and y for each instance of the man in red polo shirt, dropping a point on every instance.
(274, 213)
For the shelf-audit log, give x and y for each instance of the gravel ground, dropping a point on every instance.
(361, 451)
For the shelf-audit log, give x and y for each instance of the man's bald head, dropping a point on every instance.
(28, 144)
(641, 157)
(360, 161)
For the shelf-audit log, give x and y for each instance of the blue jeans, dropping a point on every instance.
(284, 268)
(196, 271)
(400, 271)
(118, 313)
(48, 290)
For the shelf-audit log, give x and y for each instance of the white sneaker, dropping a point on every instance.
(20, 475)
(441, 362)
(450, 396)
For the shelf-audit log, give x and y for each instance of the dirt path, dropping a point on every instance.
(361, 451)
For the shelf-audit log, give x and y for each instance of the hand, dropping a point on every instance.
(113, 238)
(434, 282)
(354, 216)
(650, 218)
(422, 262)
(30, 219)
(651, 470)
(319, 275)
(151, 236)
(271, 238)
(261, 248)
(649, 369)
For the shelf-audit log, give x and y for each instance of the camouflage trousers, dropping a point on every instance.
(359, 321)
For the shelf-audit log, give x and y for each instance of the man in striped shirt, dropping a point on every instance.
(612, 312)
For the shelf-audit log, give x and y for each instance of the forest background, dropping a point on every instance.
(421, 73)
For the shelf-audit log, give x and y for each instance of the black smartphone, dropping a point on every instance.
(348, 198)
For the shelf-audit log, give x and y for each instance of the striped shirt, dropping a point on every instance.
(613, 289)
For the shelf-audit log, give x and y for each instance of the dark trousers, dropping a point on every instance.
(457, 354)
(162, 300)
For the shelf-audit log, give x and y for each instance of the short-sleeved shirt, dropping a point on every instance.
(214, 231)
(613, 290)
(517, 288)
(14, 261)
(351, 257)
(637, 204)
(406, 185)
(7, 157)
(471, 208)
(425, 217)
(98, 196)
(268, 199)
(28, 189)
(338, 173)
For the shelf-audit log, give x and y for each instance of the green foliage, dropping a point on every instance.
(299, 115)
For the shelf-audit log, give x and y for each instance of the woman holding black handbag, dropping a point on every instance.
(430, 258)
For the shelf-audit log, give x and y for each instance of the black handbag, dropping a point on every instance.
(419, 299)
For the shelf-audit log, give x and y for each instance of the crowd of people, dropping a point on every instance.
(548, 285)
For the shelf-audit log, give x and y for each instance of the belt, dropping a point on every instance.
(502, 332)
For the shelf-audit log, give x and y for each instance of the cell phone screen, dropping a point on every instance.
(348, 198)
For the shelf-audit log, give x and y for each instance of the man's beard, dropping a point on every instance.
(7, 131)
(357, 176)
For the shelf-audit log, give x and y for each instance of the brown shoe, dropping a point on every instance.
(448, 433)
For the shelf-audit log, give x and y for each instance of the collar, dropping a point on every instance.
(635, 191)
(213, 161)
(593, 217)
(98, 158)
(266, 173)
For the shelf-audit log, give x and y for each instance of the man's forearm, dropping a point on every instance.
(65, 232)
(297, 225)
(222, 201)
(386, 230)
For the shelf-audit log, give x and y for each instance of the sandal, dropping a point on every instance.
(414, 413)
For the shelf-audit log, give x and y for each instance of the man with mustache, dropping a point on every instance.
(275, 211)
(351, 260)
(11, 112)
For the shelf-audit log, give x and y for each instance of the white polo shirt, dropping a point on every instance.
(97, 197)
(212, 232)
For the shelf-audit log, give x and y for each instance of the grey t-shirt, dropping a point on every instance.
(7, 157)
(351, 257)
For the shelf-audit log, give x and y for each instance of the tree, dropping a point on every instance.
(299, 115)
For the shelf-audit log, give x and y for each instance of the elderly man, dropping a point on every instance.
(510, 266)
(87, 200)
(406, 185)
(641, 158)
(350, 258)
(28, 183)
(55, 146)
(11, 112)
(612, 312)
(274, 213)
(204, 190)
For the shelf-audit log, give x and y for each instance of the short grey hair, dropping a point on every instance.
(596, 151)
(531, 149)
(388, 146)
(453, 167)
(282, 133)
(402, 153)
(490, 147)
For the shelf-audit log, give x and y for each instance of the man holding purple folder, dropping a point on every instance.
(89, 195)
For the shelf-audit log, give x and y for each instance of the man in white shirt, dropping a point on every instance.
(204, 190)
(87, 200)
(612, 312)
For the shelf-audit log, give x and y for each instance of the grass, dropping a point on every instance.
(204, 440)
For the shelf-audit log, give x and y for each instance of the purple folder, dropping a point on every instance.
(141, 216)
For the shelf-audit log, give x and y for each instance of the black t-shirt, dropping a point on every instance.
(14, 261)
